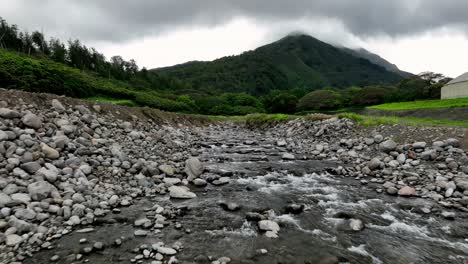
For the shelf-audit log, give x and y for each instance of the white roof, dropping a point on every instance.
(459, 79)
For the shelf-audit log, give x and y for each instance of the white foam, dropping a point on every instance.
(361, 249)
(388, 216)
(246, 230)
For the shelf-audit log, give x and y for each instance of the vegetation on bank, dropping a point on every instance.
(426, 104)
(264, 120)
(364, 120)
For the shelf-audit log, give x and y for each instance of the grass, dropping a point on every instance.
(392, 120)
(104, 99)
(427, 104)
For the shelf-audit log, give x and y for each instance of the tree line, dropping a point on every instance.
(74, 54)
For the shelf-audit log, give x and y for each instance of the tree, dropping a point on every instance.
(280, 102)
(371, 95)
(320, 100)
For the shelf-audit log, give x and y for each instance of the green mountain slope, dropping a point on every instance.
(298, 61)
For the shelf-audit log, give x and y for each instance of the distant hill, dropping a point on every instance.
(296, 61)
(376, 59)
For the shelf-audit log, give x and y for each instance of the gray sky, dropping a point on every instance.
(417, 35)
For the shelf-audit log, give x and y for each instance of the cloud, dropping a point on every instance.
(123, 20)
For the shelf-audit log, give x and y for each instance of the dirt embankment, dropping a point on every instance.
(458, 113)
(125, 113)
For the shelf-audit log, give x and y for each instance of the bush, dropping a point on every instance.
(371, 95)
(280, 102)
(320, 100)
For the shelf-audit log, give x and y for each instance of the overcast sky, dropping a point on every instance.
(417, 35)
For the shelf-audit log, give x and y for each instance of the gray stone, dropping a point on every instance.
(193, 168)
(181, 192)
(374, 164)
(32, 121)
(419, 145)
(199, 182)
(4, 199)
(13, 240)
(21, 197)
(288, 156)
(49, 152)
(429, 155)
(41, 190)
(388, 146)
(356, 224)
(3, 135)
(167, 251)
(8, 113)
(57, 105)
(167, 169)
(31, 167)
(407, 191)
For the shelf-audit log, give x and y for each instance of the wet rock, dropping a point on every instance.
(270, 227)
(140, 233)
(181, 192)
(229, 206)
(374, 164)
(356, 224)
(288, 156)
(294, 208)
(407, 191)
(193, 168)
(167, 169)
(167, 251)
(199, 182)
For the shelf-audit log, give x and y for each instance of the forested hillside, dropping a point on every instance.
(297, 61)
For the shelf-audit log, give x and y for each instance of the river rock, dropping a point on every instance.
(167, 169)
(193, 168)
(8, 113)
(181, 192)
(58, 106)
(288, 156)
(32, 121)
(407, 191)
(387, 146)
(41, 190)
(374, 164)
(270, 227)
(49, 152)
(13, 240)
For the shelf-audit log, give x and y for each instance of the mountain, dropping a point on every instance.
(376, 59)
(296, 61)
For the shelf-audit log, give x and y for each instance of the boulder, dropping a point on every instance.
(41, 190)
(387, 146)
(32, 121)
(49, 152)
(8, 113)
(181, 192)
(193, 168)
(407, 191)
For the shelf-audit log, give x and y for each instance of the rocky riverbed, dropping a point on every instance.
(86, 183)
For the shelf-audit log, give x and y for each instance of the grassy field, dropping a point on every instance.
(447, 103)
(392, 120)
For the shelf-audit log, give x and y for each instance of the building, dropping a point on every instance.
(456, 88)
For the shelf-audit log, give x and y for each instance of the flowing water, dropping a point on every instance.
(396, 230)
